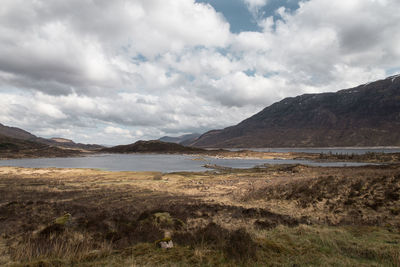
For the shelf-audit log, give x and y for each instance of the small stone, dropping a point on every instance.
(166, 244)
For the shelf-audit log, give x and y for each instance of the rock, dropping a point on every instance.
(166, 244)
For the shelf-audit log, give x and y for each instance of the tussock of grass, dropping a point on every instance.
(338, 246)
(66, 246)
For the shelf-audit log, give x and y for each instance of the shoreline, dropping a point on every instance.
(371, 157)
(311, 147)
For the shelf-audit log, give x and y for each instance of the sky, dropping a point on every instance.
(114, 72)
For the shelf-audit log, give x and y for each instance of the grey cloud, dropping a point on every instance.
(74, 63)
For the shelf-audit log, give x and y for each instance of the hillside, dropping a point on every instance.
(183, 139)
(153, 146)
(367, 115)
(18, 148)
(17, 133)
(62, 142)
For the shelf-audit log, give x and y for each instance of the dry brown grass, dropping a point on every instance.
(216, 218)
(362, 195)
(68, 245)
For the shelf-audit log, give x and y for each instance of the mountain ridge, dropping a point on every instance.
(20, 134)
(11, 148)
(366, 115)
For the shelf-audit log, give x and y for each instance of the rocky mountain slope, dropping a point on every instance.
(367, 115)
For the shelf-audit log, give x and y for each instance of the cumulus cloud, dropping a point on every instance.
(81, 45)
(111, 130)
(116, 71)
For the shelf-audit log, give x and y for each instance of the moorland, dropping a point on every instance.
(277, 215)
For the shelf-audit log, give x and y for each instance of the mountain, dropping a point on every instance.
(17, 133)
(153, 146)
(67, 143)
(367, 115)
(13, 144)
(183, 139)
(19, 148)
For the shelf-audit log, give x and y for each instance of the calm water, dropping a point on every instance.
(152, 162)
(334, 150)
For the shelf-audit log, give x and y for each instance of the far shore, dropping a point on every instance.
(371, 157)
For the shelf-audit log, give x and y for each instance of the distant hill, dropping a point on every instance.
(17, 133)
(13, 144)
(154, 146)
(19, 148)
(183, 139)
(367, 115)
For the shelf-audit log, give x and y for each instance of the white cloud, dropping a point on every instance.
(94, 70)
(321, 42)
(255, 5)
(81, 45)
(116, 130)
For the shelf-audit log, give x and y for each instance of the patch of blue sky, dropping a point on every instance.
(241, 19)
(187, 76)
(270, 74)
(273, 5)
(139, 58)
(236, 13)
(223, 51)
(250, 72)
(6, 89)
(393, 71)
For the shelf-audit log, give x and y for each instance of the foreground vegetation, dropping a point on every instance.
(289, 215)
